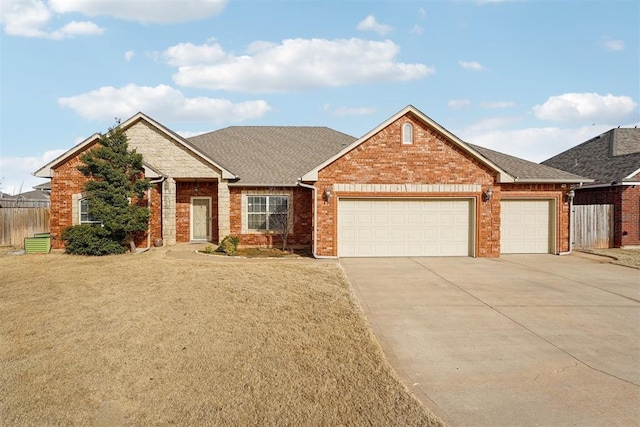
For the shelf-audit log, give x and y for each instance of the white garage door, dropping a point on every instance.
(404, 227)
(525, 226)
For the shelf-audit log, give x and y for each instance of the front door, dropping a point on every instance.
(201, 218)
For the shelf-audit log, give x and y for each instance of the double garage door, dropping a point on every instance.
(404, 227)
(435, 227)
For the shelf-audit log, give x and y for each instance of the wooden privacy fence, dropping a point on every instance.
(593, 226)
(18, 223)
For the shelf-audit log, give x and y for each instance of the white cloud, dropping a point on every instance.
(458, 103)
(498, 105)
(601, 109)
(161, 102)
(471, 65)
(533, 144)
(147, 11)
(348, 111)
(30, 18)
(295, 64)
(128, 55)
(26, 19)
(370, 24)
(422, 12)
(16, 171)
(417, 29)
(189, 133)
(613, 44)
(491, 123)
(188, 54)
(74, 28)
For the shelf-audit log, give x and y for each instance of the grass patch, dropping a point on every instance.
(620, 256)
(148, 339)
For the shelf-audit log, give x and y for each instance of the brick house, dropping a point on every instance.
(408, 187)
(612, 161)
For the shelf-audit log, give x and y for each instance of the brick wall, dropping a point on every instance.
(431, 159)
(68, 180)
(302, 229)
(626, 207)
(185, 191)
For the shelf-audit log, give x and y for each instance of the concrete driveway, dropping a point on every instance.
(524, 340)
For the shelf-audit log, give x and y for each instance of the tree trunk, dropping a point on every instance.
(132, 246)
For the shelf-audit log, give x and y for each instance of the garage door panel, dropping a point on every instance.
(381, 234)
(416, 227)
(525, 226)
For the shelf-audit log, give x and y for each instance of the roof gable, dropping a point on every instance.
(312, 174)
(507, 168)
(611, 157)
(47, 170)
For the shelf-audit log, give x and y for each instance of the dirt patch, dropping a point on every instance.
(258, 252)
(150, 339)
(626, 257)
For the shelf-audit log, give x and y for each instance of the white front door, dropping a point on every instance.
(201, 218)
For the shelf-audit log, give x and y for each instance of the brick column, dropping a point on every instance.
(224, 209)
(169, 211)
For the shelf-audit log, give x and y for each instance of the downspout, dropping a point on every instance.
(315, 221)
(157, 181)
(570, 195)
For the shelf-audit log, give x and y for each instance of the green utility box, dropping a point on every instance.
(40, 243)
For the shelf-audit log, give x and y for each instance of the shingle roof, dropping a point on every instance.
(610, 157)
(45, 186)
(525, 170)
(279, 155)
(29, 199)
(270, 155)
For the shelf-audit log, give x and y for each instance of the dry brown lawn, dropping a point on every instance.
(152, 339)
(626, 257)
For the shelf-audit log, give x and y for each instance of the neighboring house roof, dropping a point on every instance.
(46, 170)
(271, 155)
(45, 186)
(609, 158)
(33, 195)
(524, 170)
(508, 168)
(28, 199)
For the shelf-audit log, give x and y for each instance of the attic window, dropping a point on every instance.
(407, 133)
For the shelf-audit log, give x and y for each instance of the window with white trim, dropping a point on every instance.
(268, 212)
(85, 216)
(407, 133)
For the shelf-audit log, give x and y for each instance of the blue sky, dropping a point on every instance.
(528, 78)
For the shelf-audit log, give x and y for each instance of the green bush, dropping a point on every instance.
(229, 245)
(90, 240)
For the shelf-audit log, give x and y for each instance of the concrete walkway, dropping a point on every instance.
(524, 340)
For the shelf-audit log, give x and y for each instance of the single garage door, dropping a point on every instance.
(404, 227)
(525, 226)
